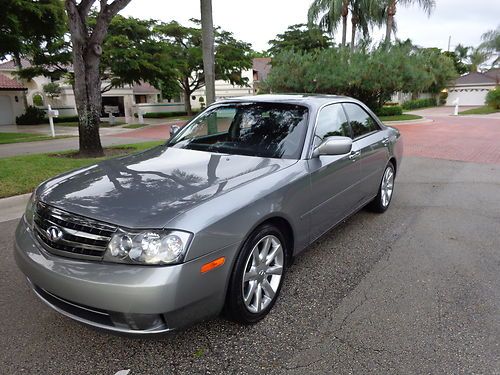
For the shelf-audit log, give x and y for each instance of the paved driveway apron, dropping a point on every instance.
(465, 138)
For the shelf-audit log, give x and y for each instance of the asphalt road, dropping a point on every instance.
(413, 291)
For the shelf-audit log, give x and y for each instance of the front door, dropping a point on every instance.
(372, 142)
(334, 178)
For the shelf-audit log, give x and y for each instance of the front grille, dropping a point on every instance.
(82, 238)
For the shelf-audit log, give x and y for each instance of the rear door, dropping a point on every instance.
(333, 177)
(372, 142)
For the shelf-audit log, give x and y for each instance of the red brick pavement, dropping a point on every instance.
(454, 138)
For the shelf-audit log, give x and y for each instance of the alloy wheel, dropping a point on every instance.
(263, 273)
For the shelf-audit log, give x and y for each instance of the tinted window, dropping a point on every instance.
(331, 122)
(258, 129)
(361, 122)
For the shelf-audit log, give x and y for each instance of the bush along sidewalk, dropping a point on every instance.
(419, 103)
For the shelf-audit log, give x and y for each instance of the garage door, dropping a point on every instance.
(6, 114)
(472, 96)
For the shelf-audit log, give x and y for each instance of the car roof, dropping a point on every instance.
(310, 100)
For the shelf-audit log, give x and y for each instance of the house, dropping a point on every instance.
(472, 88)
(11, 99)
(123, 98)
(261, 68)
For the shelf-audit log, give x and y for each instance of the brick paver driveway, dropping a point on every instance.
(474, 139)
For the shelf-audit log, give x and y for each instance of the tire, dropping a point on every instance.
(255, 284)
(383, 199)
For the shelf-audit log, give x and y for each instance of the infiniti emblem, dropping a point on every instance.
(54, 233)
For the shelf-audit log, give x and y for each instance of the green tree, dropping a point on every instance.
(87, 51)
(301, 38)
(52, 90)
(369, 74)
(477, 57)
(328, 14)
(364, 15)
(391, 8)
(460, 67)
(491, 43)
(184, 48)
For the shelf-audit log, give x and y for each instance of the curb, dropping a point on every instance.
(409, 122)
(13, 207)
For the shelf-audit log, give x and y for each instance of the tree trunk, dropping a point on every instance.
(345, 13)
(207, 27)
(391, 12)
(87, 50)
(187, 97)
(354, 22)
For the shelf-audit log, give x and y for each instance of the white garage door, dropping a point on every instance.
(6, 114)
(472, 96)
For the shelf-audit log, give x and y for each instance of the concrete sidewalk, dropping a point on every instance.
(13, 207)
(64, 144)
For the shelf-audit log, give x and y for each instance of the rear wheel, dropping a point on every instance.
(383, 199)
(257, 276)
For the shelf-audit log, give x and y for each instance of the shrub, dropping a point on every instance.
(419, 103)
(443, 95)
(493, 98)
(393, 110)
(63, 119)
(32, 116)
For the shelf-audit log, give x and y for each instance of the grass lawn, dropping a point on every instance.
(74, 124)
(134, 126)
(403, 117)
(25, 137)
(21, 174)
(485, 110)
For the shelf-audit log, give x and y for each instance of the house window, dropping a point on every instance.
(38, 100)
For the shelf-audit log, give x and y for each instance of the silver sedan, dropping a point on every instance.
(209, 221)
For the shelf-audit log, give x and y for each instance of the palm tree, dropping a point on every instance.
(207, 29)
(477, 57)
(328, 13)
(491, 43)
(390, 10)
(462, 52)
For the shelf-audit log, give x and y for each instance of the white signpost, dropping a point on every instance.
(110, 109)
(140, 116)
(52, 113)
(455, 103)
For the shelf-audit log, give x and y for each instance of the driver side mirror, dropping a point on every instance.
(334, 145)
(174, 129)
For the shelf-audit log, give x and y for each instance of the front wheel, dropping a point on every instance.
(257, 276)
(383, 199)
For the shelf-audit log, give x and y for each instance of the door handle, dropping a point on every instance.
(354, 155)
(385, 141)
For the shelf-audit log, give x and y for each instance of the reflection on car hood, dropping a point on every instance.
(149, 189)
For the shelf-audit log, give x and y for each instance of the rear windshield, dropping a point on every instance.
(268, 130)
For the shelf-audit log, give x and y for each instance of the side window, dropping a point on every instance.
(361, 122)
(331, 121)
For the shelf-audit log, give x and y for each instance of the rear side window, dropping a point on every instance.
(332, 121)
(361, 122)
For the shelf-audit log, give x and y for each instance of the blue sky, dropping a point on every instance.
(258, 21)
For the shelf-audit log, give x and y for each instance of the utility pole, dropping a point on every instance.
(207, 29)
(449, 43)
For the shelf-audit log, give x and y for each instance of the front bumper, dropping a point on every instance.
(124, 298)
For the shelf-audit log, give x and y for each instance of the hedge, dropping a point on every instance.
(419, 103)
(394, 110)
(63, 119)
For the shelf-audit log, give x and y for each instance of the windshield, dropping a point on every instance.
(268, 130)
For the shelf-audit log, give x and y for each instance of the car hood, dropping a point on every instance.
(149, 189)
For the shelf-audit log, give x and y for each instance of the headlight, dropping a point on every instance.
(148, 247)
(29, 214)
